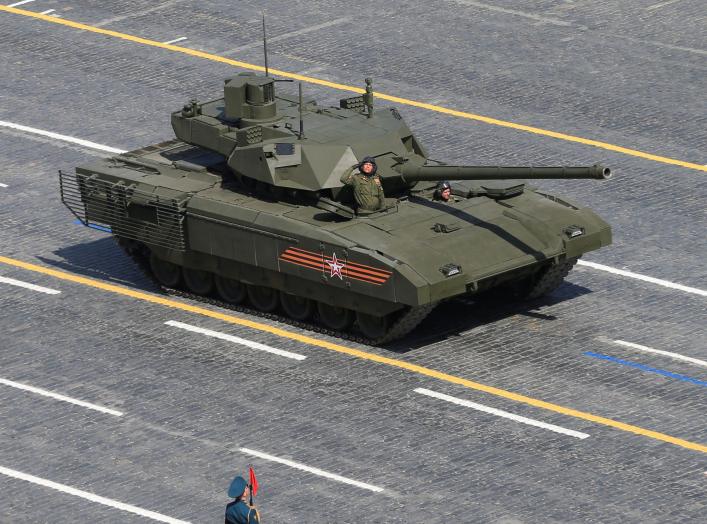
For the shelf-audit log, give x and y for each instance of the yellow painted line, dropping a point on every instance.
(344, 87)
(357, 353)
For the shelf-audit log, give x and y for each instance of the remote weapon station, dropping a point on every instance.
(247, 204)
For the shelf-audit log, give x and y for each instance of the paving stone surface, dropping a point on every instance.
(629, 74)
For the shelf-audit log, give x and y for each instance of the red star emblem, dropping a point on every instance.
(335, 267)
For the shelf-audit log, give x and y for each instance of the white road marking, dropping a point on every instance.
(309, 469)
(180, 39)
(501, 413)
(291, 34)
(676, 356)
(644, 278)
(47, 11)
(20, 3)
(3, 185)
(57, 136)
(131, 14)
(311, 71)
(654, 43)
(90, 496)
(236, 340)
(662, 4)
(63, 398)
(33, 287)
(524, 14)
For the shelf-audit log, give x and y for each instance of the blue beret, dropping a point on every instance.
(237, 487)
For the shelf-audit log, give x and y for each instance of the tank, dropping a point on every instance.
(246, 207)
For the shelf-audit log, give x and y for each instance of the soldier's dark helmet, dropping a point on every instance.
(441, 186)
(237, 487)
(368, 160)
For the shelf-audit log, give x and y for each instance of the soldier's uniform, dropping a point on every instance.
(367, 189)
(238, 511)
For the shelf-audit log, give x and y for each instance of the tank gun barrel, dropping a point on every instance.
(413, 173)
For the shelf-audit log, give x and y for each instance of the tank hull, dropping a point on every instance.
(413, 255)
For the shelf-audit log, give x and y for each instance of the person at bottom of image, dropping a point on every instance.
(241, 510)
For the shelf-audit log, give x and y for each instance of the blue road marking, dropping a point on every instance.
(643, 367)
(94, 226)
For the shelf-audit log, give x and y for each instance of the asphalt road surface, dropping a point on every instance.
(586, 406)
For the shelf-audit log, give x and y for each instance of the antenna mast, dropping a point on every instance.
(301, 110)
(265, 46)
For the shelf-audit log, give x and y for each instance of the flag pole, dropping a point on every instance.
(250, 466)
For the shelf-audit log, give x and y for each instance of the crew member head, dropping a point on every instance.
(368, 166)
(444, 191)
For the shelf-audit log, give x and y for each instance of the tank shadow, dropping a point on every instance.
(453, 318)
(102, 260)
(471, 219)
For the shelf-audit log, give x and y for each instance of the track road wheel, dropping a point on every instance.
(230, 290)
(550, 279)
(337, 318)
(372, 326)
(166, 273)
(198, 281)
(296, 307)
(263, 298)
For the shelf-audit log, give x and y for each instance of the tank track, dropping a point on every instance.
(551, 279)
(405, 323)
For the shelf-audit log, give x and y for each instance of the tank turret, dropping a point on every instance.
(256, 132)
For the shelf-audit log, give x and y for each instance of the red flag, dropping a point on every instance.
(253, 481)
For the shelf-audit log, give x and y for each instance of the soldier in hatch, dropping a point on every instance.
(367, 187)
(443, 192)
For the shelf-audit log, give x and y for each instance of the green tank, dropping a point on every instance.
(246, 207)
